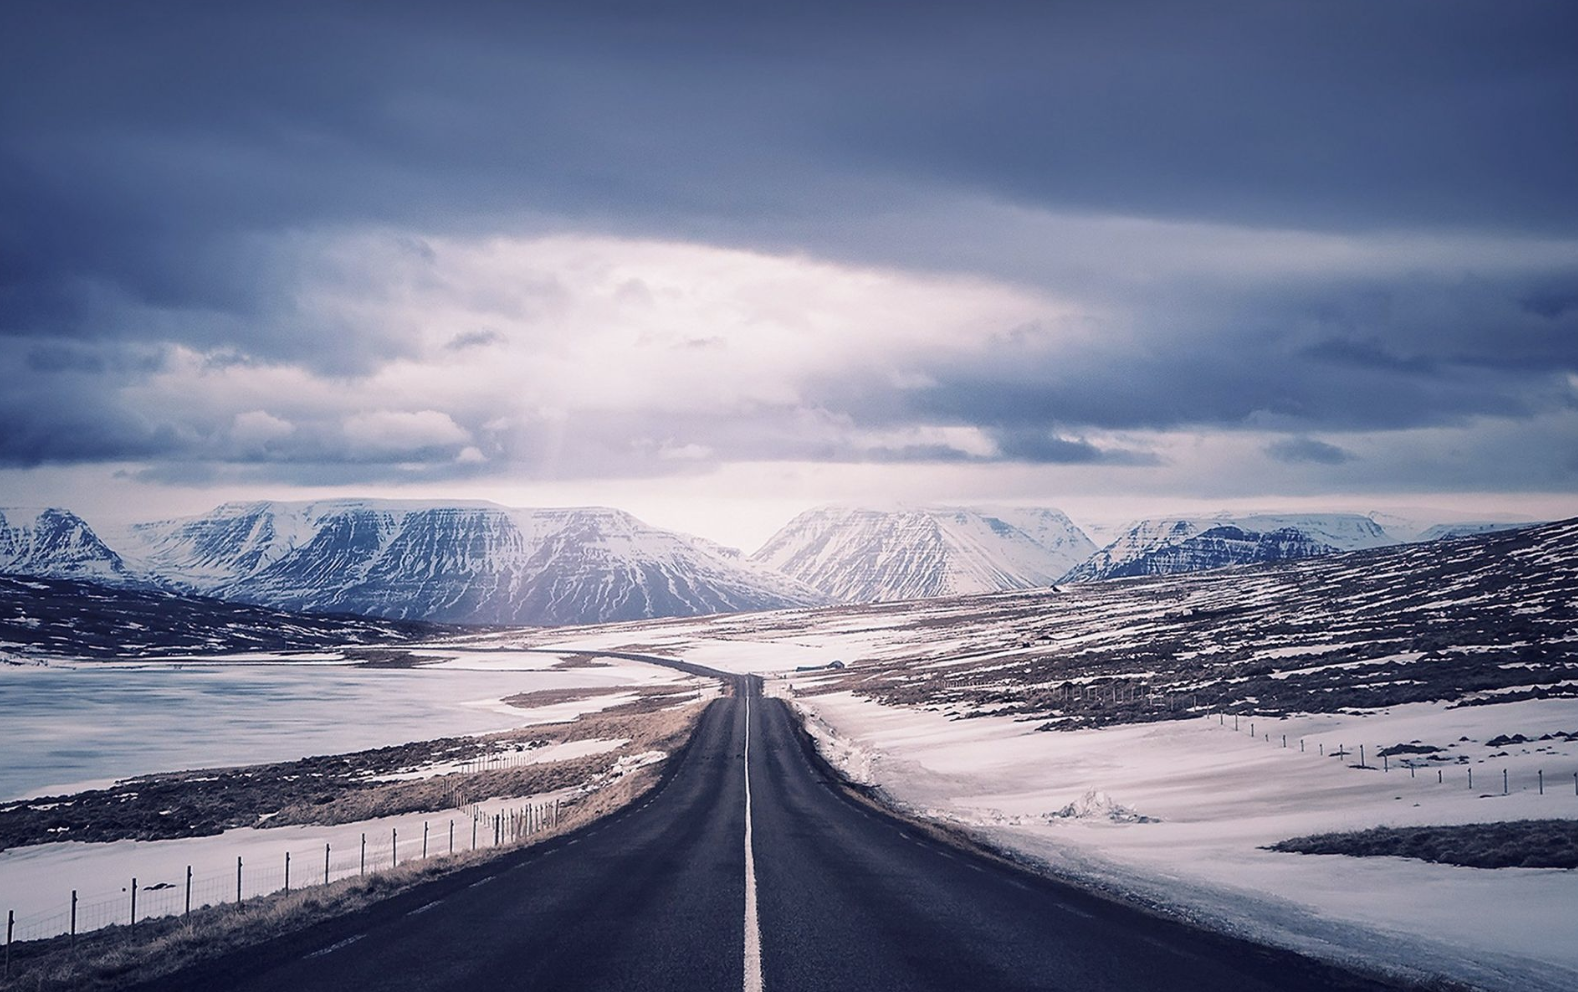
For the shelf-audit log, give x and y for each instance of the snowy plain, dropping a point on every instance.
(1077, 801)
(37, 882)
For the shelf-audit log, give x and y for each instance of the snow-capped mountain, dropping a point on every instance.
(1167, 546)
(468, 562)
(1467, 528)
(863, 554)
(1409, 524)
(57, 544)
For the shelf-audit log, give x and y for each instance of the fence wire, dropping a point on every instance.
(477, 826)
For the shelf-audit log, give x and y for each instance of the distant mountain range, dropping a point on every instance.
(463, 562)
(475, 563)
(861, 554)
(1169, 546)
(480, 563)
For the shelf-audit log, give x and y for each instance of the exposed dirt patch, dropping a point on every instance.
(389, 658)
(582, 661)
(551, 697)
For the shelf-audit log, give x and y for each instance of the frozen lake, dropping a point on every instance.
(72, 727)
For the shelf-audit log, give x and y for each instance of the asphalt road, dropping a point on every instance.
(844, 897)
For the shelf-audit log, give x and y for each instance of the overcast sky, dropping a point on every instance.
(718, 262)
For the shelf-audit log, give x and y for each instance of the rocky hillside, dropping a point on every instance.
(1170, 546)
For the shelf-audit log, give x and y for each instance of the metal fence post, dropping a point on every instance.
(10, 925)
(451, 835)
(134, 902)
(394, 846)
(73, 917)
(238, 880)
(188, 911)
(287, 873)
(325, 864)
(363, 870)
(424, 840)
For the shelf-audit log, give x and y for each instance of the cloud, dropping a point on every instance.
(543, 243)
(384, 434)
(808, 360)
(258, 430)
(1308, 449)
(474, 339)
(165, 192)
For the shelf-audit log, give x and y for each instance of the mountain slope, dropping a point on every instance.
(57, 544)
(864, 554)
(75, 619)
(1169, 546)
(462, 563)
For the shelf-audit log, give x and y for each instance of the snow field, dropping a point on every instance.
(1219, 796)
(37, 882)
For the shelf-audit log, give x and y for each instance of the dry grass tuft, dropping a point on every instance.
(1508, 844)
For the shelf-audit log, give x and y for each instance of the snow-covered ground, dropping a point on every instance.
(1079, 802)
(71, 727)
(38, 882)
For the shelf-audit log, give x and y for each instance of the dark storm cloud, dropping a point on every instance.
(159, 163)
(473, 339)
(1307, 449)
(144, 143)
(1348, 354)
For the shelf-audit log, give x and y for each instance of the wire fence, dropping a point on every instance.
(250, 876)
(1421, 765)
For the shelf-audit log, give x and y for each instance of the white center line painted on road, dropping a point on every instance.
(334, 947)
(423, 909)
(753, 929)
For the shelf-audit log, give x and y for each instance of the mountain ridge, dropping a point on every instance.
(460, 561)
(859, 553)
